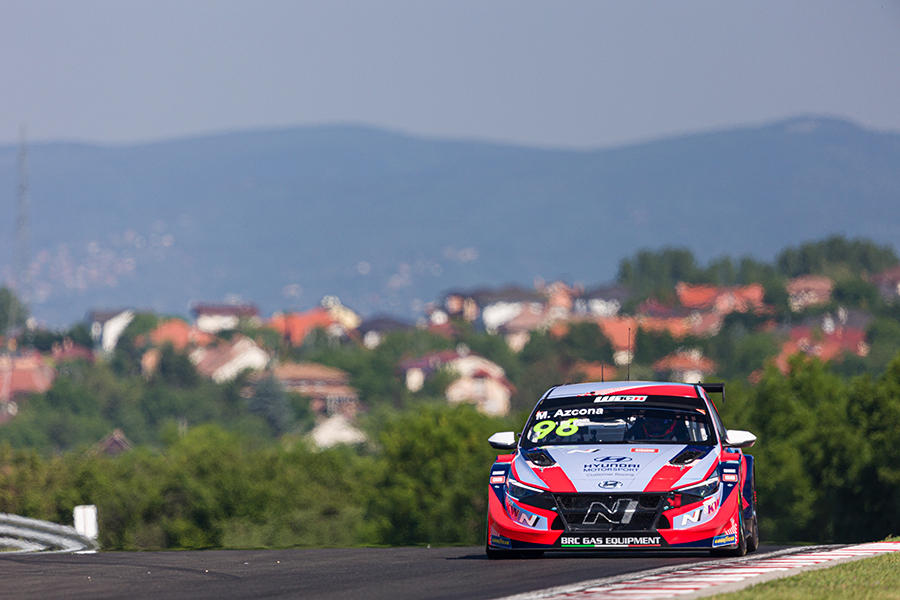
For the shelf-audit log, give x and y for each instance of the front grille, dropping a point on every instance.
(609, 512)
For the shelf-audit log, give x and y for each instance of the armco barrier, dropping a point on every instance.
(32, 535)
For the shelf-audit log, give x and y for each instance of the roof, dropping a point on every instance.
(231, 310)
(431, 361)
(592, 371)
(509, 293)
(114, 444)
(685, 361)
(69, 350)
(620, 331)
(308, 371)
(608, 292)
(722, 299)
(527, 320)
(383, 323)
(646, 388)
(810, 283)
(210, 359)
(890, 276)
(102, 316)
(180, 334)
(27, 374)
(296, 326)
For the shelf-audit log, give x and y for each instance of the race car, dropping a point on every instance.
(623, 465)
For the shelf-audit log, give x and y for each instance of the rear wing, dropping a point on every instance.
(714, 388)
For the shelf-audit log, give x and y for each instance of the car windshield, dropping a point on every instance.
(618, 425)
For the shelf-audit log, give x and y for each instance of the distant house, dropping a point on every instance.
(374, 330)
(479, 382)
(114, 444)
(175, 332)
(345, 317)
(517, 331)
(180, 335)
(294, 327)
(560, 298)
(19, 376)
(822, 344)
(24, 374)
(107, 326)
(808, 290)
(888, 283)
(722, 300)
(842, 318)
(213, 318)
(584, 371)
(605, 301)
(327, 388)
(688, 366)
(67, 350)
(227, 360)
(334, 430)
(492, 307)
(620, 332)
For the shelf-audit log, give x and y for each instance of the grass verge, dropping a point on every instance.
(875, 578)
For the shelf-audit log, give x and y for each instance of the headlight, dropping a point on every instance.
(529, 495)
(520, 491)
(695, 493)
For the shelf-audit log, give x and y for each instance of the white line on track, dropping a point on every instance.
(711, 578)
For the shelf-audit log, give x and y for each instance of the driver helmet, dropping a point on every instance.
(658, 428)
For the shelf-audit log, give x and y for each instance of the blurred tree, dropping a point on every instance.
(270, 401)
(835, 256)
(13, 313)
(431, 486)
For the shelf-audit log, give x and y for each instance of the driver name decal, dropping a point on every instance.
(562, 413)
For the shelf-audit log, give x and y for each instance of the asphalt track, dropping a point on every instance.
(367, 573)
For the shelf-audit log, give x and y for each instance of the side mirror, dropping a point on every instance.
(735, 438)
(505, 440)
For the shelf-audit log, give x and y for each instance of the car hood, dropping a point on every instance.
(617, 467)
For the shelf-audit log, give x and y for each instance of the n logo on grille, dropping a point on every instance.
(620, 512)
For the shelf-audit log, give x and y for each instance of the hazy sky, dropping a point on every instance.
(548, 73)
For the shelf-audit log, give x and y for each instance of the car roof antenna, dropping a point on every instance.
(602, 377)
(630, 356)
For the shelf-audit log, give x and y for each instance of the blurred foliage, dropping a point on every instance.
(228, 465)
(13, 313)
(835, 257)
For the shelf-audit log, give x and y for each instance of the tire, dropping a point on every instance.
(753, 540)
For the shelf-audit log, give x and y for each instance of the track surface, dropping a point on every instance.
(369, 573)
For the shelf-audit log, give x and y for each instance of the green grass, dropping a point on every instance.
(873, 578)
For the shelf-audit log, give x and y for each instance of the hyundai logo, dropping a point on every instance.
(613, 459)
(610, 485)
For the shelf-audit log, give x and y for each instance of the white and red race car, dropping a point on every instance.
(623, 465)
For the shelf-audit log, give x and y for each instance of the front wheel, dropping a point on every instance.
(753, 539)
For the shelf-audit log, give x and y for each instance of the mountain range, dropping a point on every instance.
(388, 222)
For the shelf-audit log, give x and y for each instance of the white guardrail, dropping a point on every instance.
(32, 535)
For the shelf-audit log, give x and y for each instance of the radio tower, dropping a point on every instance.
(21, 284)
(22, 258)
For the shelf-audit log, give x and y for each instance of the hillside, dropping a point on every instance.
(388, 221)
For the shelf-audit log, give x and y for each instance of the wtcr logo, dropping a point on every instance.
(620, 512)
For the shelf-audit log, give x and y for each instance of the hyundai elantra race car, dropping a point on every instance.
(623, 465)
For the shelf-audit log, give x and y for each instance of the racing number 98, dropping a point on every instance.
(543, 428)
